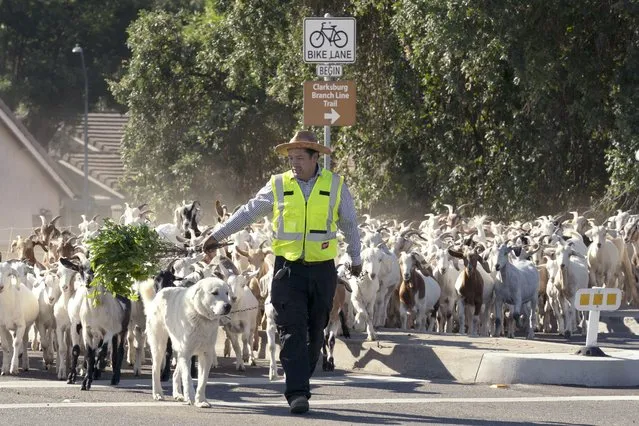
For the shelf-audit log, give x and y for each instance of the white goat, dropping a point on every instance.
(603, 258)
(18, 311)
(389, 280)
(47, 294)
(519, 284)
(136, 334)
(446, 276)
(241, 322)
(567, 274)
(365, 289)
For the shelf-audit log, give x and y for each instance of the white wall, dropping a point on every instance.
(25, 188)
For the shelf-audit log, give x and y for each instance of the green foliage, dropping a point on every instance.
(523, 107)
(121, 254)
(40, 76)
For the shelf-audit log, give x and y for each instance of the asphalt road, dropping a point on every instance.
(35, 397)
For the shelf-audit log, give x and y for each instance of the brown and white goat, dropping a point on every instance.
(470, 288)
(335, 319)
(25, 249)
(419, 293)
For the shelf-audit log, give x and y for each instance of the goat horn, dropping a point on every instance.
(462, 206)
(218, 208)
(242, 252)
(469, 240)
(95, 217)
(561, 218)
(170, 265)
(262, 244)
(80, 249)
(54, 220)
(80, 256)
(405, 232)
(141, 206)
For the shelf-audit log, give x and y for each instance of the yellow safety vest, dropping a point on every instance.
(301, 226)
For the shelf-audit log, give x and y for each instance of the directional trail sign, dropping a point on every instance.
(329, 40)
(329, 103)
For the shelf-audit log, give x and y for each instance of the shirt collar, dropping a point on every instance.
(318, 171)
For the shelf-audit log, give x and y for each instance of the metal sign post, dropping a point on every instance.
(329, 42)
(594, 300)
(327, 140)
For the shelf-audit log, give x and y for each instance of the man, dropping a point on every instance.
(308, 204)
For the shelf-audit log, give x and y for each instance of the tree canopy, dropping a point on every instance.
(519, 106)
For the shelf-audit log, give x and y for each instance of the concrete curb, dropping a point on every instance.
(620, 368)
(484, 360)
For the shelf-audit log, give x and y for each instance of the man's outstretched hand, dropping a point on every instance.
(209, 244)
(356, 270)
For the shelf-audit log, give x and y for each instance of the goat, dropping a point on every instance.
(47, 294)
(566, 275)
(102, 322)
(518, 284)
(470, 288)
(418, 293)
(389, 280)
(186, 218)
(603, 258)
(365, 288)
(25, 249)
(18, 311)
(335, 318)
(446, 276)
(242, 321)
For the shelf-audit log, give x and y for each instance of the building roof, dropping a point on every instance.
(34, 148)
(105, 132)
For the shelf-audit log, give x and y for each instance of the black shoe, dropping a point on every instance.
(299, 405)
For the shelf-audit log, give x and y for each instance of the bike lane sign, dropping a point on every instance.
(329, 40)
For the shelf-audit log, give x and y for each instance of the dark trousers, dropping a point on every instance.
(302, 297)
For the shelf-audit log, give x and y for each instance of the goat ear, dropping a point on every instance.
(68, 264)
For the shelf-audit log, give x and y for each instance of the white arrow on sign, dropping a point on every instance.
(333, 116)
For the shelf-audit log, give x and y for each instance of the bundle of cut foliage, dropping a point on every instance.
(122, 254)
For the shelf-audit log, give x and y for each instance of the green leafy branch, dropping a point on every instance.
(122, 254)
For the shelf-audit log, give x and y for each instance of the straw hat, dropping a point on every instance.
(303, 139)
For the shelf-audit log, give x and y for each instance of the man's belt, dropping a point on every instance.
(306, 263)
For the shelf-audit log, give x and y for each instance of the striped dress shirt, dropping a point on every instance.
(262, 204)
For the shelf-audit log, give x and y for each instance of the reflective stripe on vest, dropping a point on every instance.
(283, 240)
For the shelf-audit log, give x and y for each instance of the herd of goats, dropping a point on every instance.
(447, 273)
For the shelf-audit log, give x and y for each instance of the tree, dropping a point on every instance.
(41, 78)
(521, 107)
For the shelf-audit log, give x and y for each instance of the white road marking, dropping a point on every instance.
(224, 381)
(330, 403)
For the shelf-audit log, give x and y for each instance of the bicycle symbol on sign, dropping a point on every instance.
(330, 34)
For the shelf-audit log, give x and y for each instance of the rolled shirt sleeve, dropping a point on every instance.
(256, 208)
(347, 223)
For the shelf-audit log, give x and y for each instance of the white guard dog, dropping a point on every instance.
(190, 316)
